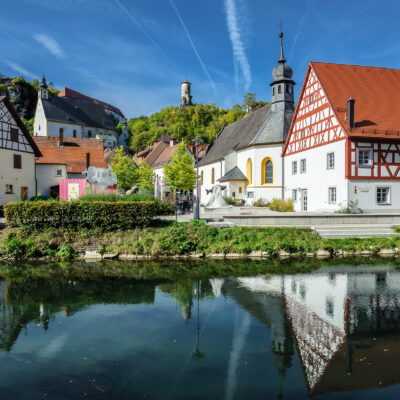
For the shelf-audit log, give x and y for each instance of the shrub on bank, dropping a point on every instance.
(76, 215)
(281, 205)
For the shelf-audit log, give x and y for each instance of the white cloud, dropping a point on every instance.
(237, 43)
(50, 43)
(17, 68)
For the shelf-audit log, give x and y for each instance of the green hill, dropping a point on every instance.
(184, 124)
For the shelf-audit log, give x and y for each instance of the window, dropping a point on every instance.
(294, 167)
(39, 127)
(273, 91)
(303, 134)
(311, 98)
(250, 195)
(383, 195)
(267, 171)
(240, 190)
(330, 161)
(249, 171)
(14, 135)
(280, 89)
(303, 166)
(9, 189)
(59, 172)
(329, 307)
(61, 131)
(332, 195)
(365, 157)
(17, 161)
(74, 133)
(287, 89)
(89, 133)
(233, 194)
(212, 176)
(294, 194)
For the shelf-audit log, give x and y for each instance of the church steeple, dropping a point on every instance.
(43, 93)
(282, 86)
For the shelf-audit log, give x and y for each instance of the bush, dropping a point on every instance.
(230, 200)
(281, 205)
(350, 208)
(80, 214)
(260, 203)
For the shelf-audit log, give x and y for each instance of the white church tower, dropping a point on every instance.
(43, 92)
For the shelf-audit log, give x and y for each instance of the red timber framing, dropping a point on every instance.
(385, 156)
(315, 122)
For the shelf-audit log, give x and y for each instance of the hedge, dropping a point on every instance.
(80, 215)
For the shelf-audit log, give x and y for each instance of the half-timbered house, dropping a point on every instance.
(344, 141)
(17, 156)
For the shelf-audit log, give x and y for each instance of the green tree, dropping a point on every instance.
(180, 173)
(145, 176)
(125, 169)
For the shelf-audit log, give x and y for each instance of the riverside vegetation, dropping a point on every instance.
(167, 238)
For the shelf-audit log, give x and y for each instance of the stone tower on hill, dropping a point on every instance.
(186, 97)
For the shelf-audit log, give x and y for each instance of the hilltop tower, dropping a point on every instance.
(43, 93)
(186, 98)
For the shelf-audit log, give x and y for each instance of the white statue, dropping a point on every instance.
(216, 200)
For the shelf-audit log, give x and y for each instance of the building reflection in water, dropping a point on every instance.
(342, 323)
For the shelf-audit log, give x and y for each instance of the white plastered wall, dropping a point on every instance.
(46, 175)
(318, 178)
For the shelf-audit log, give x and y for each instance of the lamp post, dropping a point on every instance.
(197, 143)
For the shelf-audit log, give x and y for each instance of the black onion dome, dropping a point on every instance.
(282, 71)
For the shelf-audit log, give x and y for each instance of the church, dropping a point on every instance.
(246, 155)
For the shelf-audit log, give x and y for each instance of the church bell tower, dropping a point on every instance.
(282, 87)
(43, 92)
(186, 98)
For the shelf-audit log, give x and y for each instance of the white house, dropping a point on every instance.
(73, 117)
(344, 140)
(17, 156)
(246, 155)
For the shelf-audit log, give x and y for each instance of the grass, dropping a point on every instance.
(166, 238)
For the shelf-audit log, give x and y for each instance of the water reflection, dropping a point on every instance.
(275, 336)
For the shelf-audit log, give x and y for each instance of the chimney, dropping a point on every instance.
(87, 161)
(61, 137)
(350, 113)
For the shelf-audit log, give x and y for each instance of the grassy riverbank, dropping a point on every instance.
(166, 239)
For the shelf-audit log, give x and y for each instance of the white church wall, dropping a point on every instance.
(40, 122)
(318, 178)
(256, 190)
(219, 171)
(230, 161)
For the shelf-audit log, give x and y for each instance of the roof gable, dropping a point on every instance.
(25, 143)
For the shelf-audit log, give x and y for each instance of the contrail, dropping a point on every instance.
(194, 47)
(301, 23)
(126, 11)
(237, 44)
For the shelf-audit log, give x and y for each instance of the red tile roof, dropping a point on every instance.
(72, 153)
(66, 92)
(376, 92)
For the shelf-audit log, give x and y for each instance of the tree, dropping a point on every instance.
(250, 102)
(125, 169)
(145, 176)
(179, 173)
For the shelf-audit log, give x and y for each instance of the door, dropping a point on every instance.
(304, 200)
(24, 193)
(73, 191)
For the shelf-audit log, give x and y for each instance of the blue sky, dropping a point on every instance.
(135, 53)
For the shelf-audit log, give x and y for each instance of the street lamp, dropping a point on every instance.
(197, 143)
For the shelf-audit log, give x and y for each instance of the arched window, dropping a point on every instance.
(249, 172)
(201, 177)
(267, 171)
(212, 176)
(273, 91)
(280, 89)
(39, 127)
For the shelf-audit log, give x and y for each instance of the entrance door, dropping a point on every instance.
(73, 191)
(24, 193)
(304, 200)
